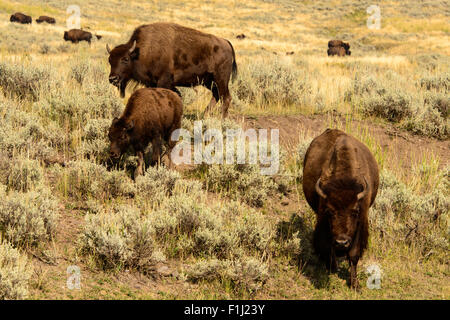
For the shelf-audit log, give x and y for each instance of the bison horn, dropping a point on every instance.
(108, 48)
(363, 193)
(133, 46)
(319, 190)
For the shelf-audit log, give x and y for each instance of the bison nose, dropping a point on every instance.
(113, 155)
(342, 242)
(113, 79)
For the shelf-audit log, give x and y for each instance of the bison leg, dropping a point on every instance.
(140, 168)
(225, 96)
(156, 150)
(354, 284)
(214, 99)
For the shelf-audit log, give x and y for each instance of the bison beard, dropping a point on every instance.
(167, 55)
(340, 182)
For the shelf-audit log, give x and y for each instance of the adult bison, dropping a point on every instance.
(77, 35)
(168, 55)
(340, 182)
(338, 47)
(49, 20)
(20, 18)
(336, 51)
(151, 116)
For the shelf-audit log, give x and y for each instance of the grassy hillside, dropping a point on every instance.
(223, 231)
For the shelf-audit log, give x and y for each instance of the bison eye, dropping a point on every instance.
(126, 59)
(355, 212)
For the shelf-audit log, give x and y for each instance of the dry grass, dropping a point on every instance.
(56, 104)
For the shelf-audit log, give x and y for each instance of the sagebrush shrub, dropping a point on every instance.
(241, 181)
(265, 82)
(28, 218)
(15, 273)
(24, 81)
(120, 238)
(245, 273)
(84, 179)
(400, 215)
(24, 174)
(438, 82)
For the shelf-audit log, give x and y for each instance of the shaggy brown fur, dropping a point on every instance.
(20, 18)
(334, 48)
(151, 115)
(167, 55)
(336, 51)
(347, 188)
(77, 35)
(46, 19)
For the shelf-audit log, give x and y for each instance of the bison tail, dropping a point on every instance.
(234, 69)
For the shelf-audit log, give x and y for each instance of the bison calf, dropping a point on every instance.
(20, 18)
(49, 20)
(340, 182)
(151, 115)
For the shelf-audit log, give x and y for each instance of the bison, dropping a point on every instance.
(49, 20)
(336, 51)
(20, 18)
(340, 183)
(167, 55)
(151, 115)
(334, 48)
(77, 35)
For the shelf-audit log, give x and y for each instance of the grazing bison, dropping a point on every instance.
(334, 48)
(340, 182)
(20, 18)
(151, 115)
(46, 19)
(167, 55)
(241, 36)
(76, 35)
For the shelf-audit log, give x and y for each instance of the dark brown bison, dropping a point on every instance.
(334, 48)
(20, 18)
(340, 182)
(77, 35)
(151, 115)
(336, 51)
(241, 36)
(167, 55)
(46, 19)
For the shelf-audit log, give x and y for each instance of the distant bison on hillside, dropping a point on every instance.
(340, 182)
(167, 55)
(49, 20)
(339, 48)
(151, 115)
(20, 18)
(77, 35)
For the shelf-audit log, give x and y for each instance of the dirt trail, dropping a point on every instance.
(406, 147)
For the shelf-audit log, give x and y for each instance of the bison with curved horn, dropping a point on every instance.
(340, 182)
(167, 55)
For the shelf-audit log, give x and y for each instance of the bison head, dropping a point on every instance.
(119, 136)
(121, 59)
(342, 202)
